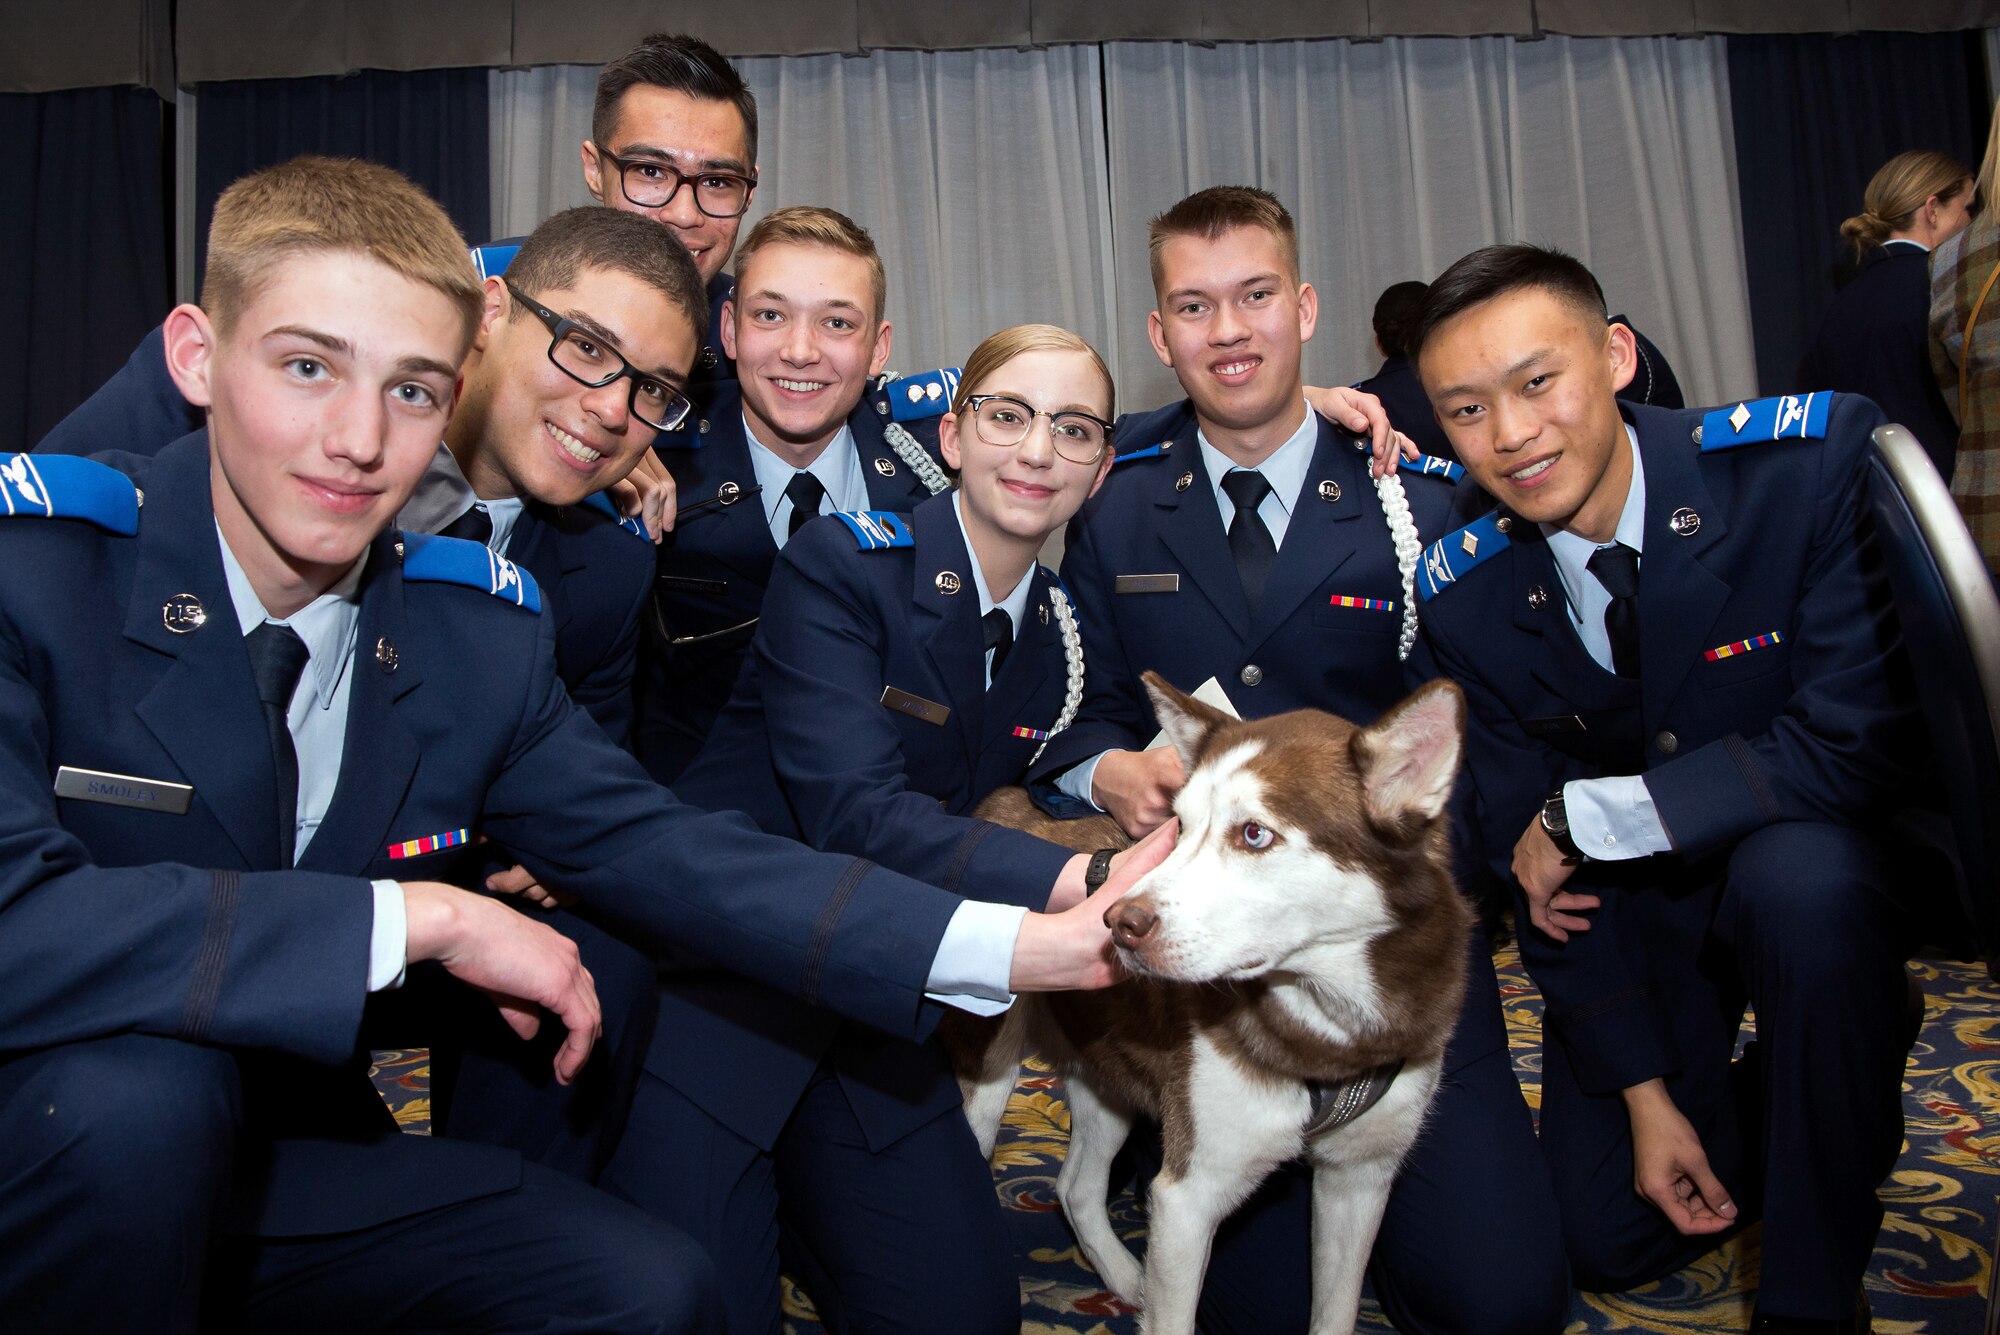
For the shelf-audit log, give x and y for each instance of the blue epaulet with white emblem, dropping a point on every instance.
(1787, 417)
(915, 397)
(430, 559)
(1428, 464)
(60, 486)
(1150, 452)
(1453, 556)
(601, 503)
(877, 530)
(492, 261)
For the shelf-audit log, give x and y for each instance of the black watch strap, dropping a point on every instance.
(1555, 824)
(1099, 870)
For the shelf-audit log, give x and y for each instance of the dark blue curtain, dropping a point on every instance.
(1815, 116)
(429, 124)
(84, 246)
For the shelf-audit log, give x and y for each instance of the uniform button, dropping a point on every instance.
(1667, 743)
(1610, 841)
(1250, 675)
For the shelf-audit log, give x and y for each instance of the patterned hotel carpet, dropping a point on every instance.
(1932, 1262)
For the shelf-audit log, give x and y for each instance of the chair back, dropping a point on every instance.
(1951, 629)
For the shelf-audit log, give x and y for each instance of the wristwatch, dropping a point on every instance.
(1099, 870)
(1555, 824)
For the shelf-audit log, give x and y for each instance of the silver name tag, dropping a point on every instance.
(124, 790)
(900, 700)
(1146, 584)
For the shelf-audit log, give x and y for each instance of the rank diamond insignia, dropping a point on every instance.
(1740, 416)
(1471, 545)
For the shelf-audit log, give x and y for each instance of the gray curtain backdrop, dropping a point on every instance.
(1006, 185)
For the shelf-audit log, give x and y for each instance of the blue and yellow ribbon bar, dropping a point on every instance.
(1032, 734)
(1743, 646)
(416, 848)
(1372, 604)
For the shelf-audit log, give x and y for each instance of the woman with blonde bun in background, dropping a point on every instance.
(1874, 339)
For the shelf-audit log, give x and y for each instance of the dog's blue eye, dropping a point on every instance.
(1256, 836)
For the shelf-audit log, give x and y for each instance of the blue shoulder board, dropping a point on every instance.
(1426, 463)
(1436, 467)
(601, 503)
(1796, 415)
(876, 530)
(431, 559)
(492, 261)
(1150, 452)
(59, 486)
(1450, 558)
(915, 397)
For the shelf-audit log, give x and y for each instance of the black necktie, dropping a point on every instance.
(805, 494)
(277, 657)
(997, 629)
(475, 525)
(1249, 541)
(1617, 569)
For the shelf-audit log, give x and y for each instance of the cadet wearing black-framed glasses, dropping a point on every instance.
(589, 359)
(1002, 419)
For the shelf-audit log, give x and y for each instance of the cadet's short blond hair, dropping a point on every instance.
(808, 225)
(312, 205)
(999, 349)
(1222, 208)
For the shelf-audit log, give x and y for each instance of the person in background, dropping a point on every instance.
(1965, 354)
(1396, 383)
(1874, 338)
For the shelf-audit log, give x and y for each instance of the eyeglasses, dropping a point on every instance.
(652, 184)
(589, 360)
(1002, 419)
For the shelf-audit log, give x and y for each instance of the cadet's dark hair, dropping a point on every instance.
(1222, 208)
(680, 64)
(1494, 271)
(558, 252)
(1396, 313)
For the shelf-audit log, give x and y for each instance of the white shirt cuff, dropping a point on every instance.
(389, 941)
(1613, 818)
(1076, 780)
(975, 958)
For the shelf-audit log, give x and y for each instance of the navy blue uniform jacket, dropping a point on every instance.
(594, 574)
(1875, 340)
(118, 920)
(807, 747)
(1307, 652)
(716, 564)
(1806, 729)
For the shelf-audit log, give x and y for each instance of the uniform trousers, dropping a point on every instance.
(1469, 1243)
(908, 1238)
(115, 1165)
(1800, 922)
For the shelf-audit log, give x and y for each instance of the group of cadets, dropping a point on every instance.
(359, 648)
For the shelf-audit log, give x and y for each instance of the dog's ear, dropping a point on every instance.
(1186, 720)
(1409, 758)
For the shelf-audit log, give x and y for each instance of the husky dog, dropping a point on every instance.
(1297, 964)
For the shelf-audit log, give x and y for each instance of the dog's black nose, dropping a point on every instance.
(1131, 924)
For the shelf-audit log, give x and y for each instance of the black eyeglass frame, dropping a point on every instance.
(560, 327)
(974, 402)
(681, 178)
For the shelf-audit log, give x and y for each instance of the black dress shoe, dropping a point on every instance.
(1860, 1323)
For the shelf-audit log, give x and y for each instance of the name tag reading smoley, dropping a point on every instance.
(1168, 583)
(900, 700)
(124, 790)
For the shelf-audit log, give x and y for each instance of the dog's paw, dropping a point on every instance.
(1122, 1275)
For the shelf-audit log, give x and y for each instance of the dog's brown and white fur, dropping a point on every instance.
(1305, 928)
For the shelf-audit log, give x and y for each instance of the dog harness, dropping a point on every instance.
(1335, 1105)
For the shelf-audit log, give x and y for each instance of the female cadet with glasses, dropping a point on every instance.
(905, 667)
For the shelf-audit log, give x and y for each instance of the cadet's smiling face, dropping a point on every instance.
(327, 397)
(1525, 385)
(1027, 491)
(1231, 321)
(689, 134)
(543, 435)
(806, 337)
